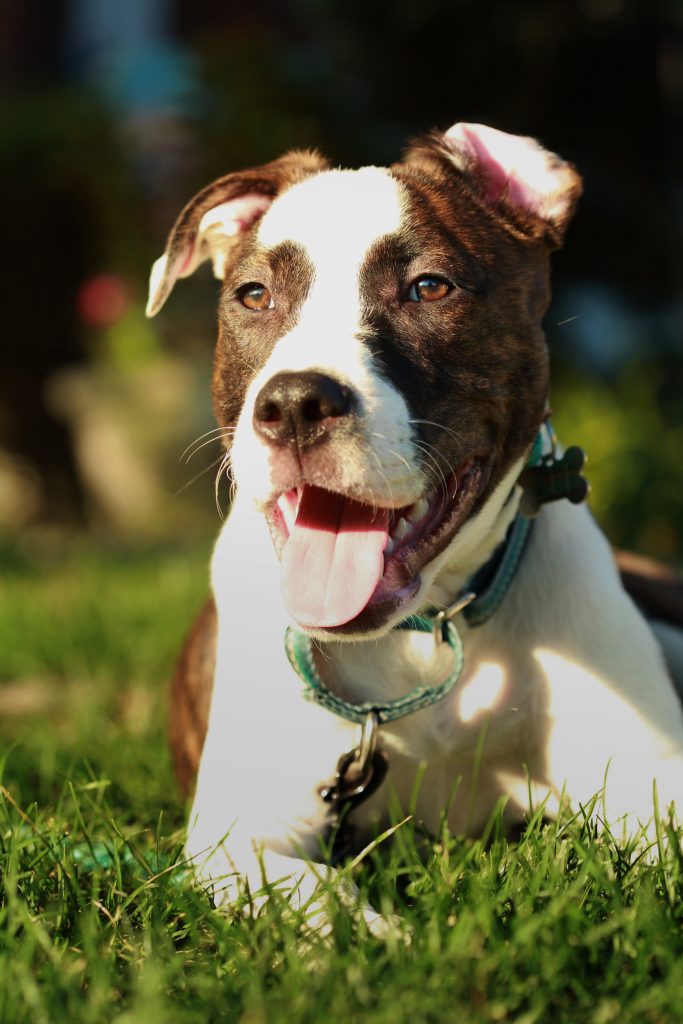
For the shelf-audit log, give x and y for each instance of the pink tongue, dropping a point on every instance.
(333, 559)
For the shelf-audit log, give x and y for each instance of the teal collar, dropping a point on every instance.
(481, 597)
(476, 608)
(300, 653)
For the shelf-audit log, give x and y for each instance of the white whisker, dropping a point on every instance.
(197, 476)
(443, 484)
(449, 465)
(223, 466)
(440, 426)
(220, 431)
(211, 440)
(383, 475)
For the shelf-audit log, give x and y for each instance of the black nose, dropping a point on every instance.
(302, 408)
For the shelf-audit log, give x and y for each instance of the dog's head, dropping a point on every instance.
(380, 354)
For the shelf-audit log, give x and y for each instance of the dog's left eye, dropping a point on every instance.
(429, 289)
(255, 296)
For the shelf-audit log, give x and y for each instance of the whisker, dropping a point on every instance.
(393, 452)
(439, 426)
(448, 430)
(197, 476)
(219, 474)
(437, 466)
(434, 476)
(433, 482)
(383, 475)
(211, 440)
(316, 643)
(449, 465)
(216, 430)
(441, 477)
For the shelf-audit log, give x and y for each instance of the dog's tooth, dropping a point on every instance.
(418, 511)
(391, 544)
(401, 529)
(288, 513)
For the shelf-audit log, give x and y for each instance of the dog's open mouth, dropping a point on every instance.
(348, 566)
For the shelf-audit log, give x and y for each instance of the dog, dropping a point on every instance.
(381, 382)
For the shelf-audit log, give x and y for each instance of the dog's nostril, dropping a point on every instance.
(270, 413)
(312, 410)
(324, 405)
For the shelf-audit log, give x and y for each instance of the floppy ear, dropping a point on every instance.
(529, 186)
(213, 220)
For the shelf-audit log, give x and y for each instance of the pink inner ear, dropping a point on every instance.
(186, 259)
(236, 215)
(512, 166)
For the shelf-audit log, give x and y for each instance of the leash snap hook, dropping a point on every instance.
(368, 740)
(446, 614)
(356, 769)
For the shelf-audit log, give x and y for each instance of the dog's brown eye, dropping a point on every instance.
(255, 296)
(429, 289)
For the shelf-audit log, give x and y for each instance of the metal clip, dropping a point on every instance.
(442, 617)
(359, 771)
(355, 768)
(368, 740)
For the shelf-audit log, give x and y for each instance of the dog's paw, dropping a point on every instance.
(389, 928)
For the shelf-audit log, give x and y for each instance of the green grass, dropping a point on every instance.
(99, 922)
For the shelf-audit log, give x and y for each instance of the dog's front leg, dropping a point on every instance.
(258, 821)
(243, 873)
(239, 869)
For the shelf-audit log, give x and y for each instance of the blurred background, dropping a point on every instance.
(114, 113)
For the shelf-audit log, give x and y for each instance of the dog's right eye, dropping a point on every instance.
(429, 288)
(255, 296)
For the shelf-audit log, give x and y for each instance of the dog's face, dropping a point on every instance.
(380, 354)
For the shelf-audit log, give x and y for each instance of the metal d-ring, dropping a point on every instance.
(368, 740)
(446, 614)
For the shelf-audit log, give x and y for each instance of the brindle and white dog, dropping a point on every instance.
(381, 375)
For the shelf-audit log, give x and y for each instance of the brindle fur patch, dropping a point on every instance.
(247, 337)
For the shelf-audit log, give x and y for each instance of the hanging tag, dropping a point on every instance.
(555, 478)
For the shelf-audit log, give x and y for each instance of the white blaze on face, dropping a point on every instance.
(337, 217)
